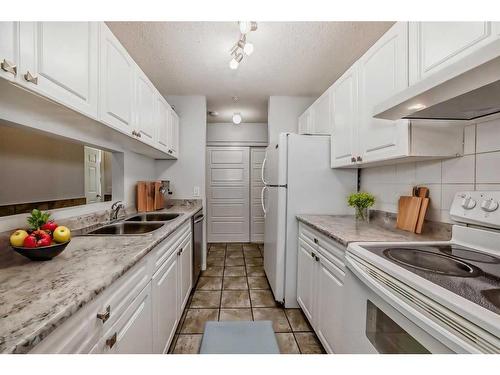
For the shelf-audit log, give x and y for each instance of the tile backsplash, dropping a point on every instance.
(478, 169)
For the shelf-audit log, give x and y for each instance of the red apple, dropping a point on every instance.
(42, 237)
(30, 241)
(50, 226)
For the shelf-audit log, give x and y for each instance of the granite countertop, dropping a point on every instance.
(37, 297)
(346, 229)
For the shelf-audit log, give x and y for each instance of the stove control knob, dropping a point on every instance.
(489, 205)
(468, 203)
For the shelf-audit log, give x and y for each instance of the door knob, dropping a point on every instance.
(31, 78)
(9, 67)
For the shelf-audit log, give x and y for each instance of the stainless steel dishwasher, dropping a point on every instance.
(197, 244)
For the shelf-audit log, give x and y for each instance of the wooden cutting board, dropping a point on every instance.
(142, 196)
(159, 200)
(423, 193)
(408, 212)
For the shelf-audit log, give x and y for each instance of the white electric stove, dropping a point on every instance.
(429, 297)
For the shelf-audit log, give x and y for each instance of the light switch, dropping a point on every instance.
(196, 191)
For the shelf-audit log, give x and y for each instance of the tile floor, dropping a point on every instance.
(234, 287)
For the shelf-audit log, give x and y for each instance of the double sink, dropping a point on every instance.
(135, 225)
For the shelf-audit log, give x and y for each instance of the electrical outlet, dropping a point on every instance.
(196, 191)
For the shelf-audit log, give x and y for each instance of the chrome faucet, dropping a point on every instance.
(115, 210)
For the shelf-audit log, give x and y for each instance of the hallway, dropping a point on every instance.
(234, 287)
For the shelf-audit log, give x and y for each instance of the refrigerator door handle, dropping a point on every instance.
(262, 200)
(262, 171)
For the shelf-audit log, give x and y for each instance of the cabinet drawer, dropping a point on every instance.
(332, 251)
(170, 244)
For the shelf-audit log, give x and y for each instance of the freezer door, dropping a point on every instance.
(274, 239)
(274, 168)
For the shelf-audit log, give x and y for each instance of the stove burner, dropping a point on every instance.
(470, 255)
(432, 262)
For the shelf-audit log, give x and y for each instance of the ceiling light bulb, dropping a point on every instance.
(235, 61)
(248, 48)
(236, 119)
(245, 26)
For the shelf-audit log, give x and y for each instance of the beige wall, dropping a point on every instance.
(34, 167)
(478, 169)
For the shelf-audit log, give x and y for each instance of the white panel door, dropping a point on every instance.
(92, 178)
(9, 50)
(382, 72)
(116, 84)
(435, 45)
(228, 194)
(145, 108)
(256, 185)
(62, 59)
(345, 119)
(165, 292)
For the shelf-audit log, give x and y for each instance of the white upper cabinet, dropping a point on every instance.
(173, 133)
(305, 122)
(382, 72)
(322, 108)
(344, 119)
(435, 45)
(117, 78)
(9, 50)
(146, 124)
(162, 123)
(60, 61)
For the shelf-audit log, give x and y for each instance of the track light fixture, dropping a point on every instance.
(242, 47)
(237, 118)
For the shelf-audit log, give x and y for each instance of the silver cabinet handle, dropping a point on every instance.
(353, 160)
(359, 158)
(139, 134)
(133, 132)
(111, 341)
(9, 67)
(315, 240)
(31, 78)
(104, 316)
(169, 151)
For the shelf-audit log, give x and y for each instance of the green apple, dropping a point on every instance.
(62, 234)
(17, 238)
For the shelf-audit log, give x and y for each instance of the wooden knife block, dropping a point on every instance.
(149, 198)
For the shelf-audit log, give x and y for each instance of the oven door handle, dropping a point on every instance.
(439, 331)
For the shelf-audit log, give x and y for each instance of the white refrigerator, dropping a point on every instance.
(297, 179)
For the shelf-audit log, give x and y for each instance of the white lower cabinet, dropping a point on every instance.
(320, 285)
(131, 334)
(139, 312)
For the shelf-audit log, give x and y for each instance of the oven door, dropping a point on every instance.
(374, 326)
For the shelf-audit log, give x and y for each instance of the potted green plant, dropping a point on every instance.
(361, 201)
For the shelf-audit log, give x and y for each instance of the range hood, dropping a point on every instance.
(466, 90)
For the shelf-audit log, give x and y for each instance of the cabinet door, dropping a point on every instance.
(9, 50)
(145, 108)
(162, 123)
(60, 61)
(345, 117)
(435, 45)
(305, 122)
(174, 134)
(322, 114)
(329, 303)
(185, 272)
(165, 298)
(116, 83)
(132, 333)
(306, 266)
(383, 71)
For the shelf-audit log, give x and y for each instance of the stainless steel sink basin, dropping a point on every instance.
(432, 262)
(120, 229)
(153, 217)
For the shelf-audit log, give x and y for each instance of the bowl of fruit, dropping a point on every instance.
(43, 240)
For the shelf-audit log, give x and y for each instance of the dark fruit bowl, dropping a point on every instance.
(42, 253)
